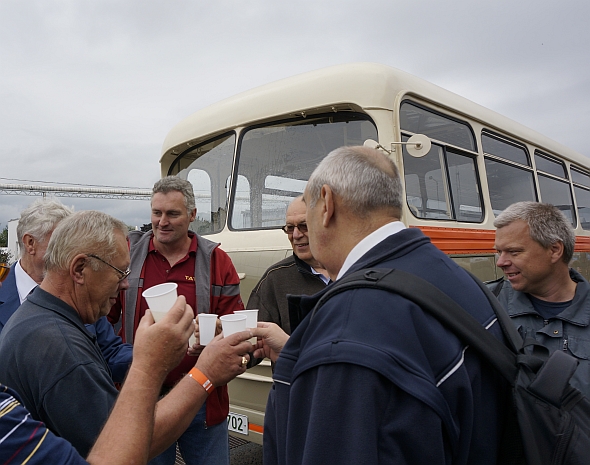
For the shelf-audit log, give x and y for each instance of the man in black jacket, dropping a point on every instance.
(299, 274)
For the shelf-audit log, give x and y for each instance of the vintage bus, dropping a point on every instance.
(250, 155)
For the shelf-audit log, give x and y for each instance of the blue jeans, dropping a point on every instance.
(199, 445)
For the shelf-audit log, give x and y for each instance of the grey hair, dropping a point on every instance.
(360, 179)
(547, 224)
(39, 219)
(174, 183)
(83, 232)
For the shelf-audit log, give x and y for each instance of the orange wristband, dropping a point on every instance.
(200, 378)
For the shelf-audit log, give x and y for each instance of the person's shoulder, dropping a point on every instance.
(282, 265)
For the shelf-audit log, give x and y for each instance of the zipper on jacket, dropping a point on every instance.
(565, 344)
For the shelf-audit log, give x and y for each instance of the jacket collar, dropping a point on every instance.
(578, 313)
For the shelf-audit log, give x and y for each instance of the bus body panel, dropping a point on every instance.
(247, 202)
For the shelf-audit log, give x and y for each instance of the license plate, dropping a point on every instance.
(237, 423)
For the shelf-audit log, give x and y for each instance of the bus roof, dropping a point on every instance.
(363, 85)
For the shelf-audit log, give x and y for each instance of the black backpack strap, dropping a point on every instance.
(508, 328)
(437, 303)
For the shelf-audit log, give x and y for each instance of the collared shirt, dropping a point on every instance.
(323, 277)
(24, 283)
(369, 242)
(158, 270)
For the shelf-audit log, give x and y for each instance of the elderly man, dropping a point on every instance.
(371, 378)
(34, 229)
(126, 437)
(53, 362)
(207, 278)
(547, 300)
(298, 274)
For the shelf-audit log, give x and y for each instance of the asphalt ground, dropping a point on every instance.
(241, 453)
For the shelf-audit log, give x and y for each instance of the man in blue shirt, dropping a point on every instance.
(126, 436)
(34, 229)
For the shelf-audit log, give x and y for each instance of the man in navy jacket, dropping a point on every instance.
(34, 229)
(371, 378)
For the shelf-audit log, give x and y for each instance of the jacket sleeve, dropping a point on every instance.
(116, 353)
(225, 285)
(362, 417)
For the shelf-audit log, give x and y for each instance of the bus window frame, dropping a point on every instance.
(442, 115)
(268, 123)
(505, 140)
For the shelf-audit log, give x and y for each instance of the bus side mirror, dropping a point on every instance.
(417, 146)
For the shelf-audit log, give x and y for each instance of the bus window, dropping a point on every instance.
(427, 182)
(580, 177)
(275, 162)
(583, 200)
(581, 180)
(504, 148)
(418, 120)
(547, 165)
(208, 167)
(508, 183)
(553, 186)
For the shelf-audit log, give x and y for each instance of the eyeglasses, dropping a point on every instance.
(289, 228)
(123, 274)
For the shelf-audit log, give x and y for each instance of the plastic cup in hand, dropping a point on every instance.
(160, 299)
(232, 323)
(207, 326)
(251, 320)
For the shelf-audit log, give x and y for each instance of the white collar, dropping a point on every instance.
(320, 275)
(370, 241)
(24, 283)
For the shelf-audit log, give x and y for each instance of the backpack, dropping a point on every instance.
(550, 421)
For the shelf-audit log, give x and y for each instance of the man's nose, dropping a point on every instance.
(124, 285)
(297, 234)
(501, 260)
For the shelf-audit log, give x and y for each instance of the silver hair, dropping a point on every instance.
(547, 224)
(361, 180)
(39, 219)
(83, 232)
(174, 183)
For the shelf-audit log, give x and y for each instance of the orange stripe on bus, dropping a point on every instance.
(476, 241)
(256, 428)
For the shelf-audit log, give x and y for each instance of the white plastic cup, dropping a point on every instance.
(251, 320)
(160, 299)
(232, 324)
(207, 326)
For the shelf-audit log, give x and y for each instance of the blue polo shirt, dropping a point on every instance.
(55, 364)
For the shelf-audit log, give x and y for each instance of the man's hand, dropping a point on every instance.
(160, 346)
(221, 360)
(271, 340)
(196, 349)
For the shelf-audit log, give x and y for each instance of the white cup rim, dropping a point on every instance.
(159, 290)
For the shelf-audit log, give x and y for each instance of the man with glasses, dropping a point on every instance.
(53, 362)
(299, 274)
(34, 229)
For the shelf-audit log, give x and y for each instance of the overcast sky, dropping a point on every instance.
(90, 88)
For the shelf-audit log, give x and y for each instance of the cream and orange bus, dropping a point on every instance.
(250, 155)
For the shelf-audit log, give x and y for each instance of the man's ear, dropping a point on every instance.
(557, 250)
(327, 197)
(77, 266)
(193, 215)
(30, 244)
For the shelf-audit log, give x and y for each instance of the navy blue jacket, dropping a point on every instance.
(117, 354)
(372, 379)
